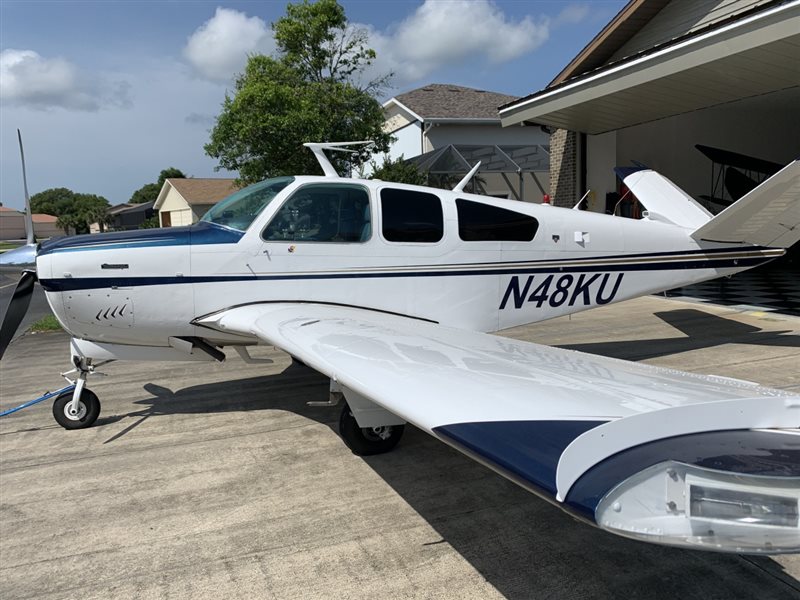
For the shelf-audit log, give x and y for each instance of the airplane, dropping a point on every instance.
(392, 291)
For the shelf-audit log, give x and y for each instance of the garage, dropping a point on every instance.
(706, 93)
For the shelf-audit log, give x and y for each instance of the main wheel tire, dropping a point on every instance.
(88, 410)
(366, 441)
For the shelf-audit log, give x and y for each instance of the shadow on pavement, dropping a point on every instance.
(700, 330)
(519, 543)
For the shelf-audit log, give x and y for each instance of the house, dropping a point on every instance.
(465, 121)
(12, 225)
(130, 216)
(125, 216)
(185, 201)
(690, 89)
(45, 226)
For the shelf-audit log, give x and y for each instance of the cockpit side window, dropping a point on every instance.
(240, 209)
(323, 213)
(479, 222)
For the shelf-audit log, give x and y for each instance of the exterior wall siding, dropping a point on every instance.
(395, 119)
(680, 17)
(564, 167)
(12, 225)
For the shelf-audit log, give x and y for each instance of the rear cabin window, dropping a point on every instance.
(323, 213)
(410, 216)
(478, 222)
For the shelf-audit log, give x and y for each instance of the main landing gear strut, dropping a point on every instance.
(365, 427)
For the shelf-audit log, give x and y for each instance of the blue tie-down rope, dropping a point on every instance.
(47, 396)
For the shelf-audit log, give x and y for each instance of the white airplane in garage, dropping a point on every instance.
(390, 290)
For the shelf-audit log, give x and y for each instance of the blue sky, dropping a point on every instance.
(109, 93)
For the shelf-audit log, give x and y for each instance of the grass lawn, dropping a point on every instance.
(48, 323)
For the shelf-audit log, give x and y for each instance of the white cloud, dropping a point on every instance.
(218, 49)
(440, 34)
(30, 80)
(571, 14)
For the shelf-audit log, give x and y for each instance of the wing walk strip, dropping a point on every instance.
(655, 262)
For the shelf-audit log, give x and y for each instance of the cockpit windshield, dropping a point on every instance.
(238, 210)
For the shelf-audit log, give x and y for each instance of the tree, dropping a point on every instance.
(307, 93)
(398, 171)
(55, 201)
(318, 42)
(151, 223)
(74, 211)
(149, 191)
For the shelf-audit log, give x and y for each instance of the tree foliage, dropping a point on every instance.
(308, 93)
(398, 171)
(74, 211)
(149, 191)
(318, 42)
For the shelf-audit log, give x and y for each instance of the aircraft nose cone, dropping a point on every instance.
(22, 257)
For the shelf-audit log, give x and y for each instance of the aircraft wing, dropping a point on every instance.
(555, 421)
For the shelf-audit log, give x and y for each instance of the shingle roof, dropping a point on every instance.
(43, 218)
(9, 210)
(444, 101)
(204, 191)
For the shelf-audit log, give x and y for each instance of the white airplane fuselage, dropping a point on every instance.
(144, 287)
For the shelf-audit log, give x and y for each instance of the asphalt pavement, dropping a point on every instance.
(219, 481)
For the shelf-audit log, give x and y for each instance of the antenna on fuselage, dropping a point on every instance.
(318, 148)
(463, 183)
(30, 238)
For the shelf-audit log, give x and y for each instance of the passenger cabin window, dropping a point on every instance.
(478, 222)
(410, 216)
(323, 213)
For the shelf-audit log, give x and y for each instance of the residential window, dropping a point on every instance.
(323, 213)
(478, 222)
(410, 216)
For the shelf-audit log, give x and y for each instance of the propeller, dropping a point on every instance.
(16, 309)
(13, 259)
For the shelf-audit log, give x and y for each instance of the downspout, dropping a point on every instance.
(426, 127)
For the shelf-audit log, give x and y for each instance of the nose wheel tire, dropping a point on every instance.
(85, 416)
(366, 441)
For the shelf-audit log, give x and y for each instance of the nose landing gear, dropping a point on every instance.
(76, 417)
(79, 408)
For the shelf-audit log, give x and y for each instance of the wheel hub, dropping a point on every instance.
(75, 415)
(378, 433)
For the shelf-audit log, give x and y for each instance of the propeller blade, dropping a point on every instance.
(16, 309)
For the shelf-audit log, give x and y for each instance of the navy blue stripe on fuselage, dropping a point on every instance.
(525, 451)
(201, 233)
(87, 283)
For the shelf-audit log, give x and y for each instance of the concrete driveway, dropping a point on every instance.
(217, 481)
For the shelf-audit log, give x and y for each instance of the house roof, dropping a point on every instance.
(726, 56)
(445, 101)
(633, 16)
(7, 210)
(117, 208)
(203, 191)
(43, 218)
(130, 208)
